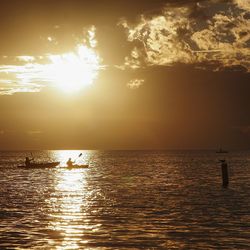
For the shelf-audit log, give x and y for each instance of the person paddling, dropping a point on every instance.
(70, 163)
(28, 161)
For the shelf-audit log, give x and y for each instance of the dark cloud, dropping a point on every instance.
(208, 31)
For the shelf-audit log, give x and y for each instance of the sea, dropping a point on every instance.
(125, 200)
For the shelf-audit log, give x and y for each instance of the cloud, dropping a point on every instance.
(135, 83)
(19, 78)
(13, 90)
(70, 70)
(91, 36)
(243, 4)
(34, 132)
(26, 58)
(212, 32)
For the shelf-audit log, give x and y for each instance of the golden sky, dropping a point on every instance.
(124, 75)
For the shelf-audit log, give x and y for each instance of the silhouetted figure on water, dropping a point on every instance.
(70, 163)
(28, 161)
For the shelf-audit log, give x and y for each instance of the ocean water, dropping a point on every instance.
(125, 200)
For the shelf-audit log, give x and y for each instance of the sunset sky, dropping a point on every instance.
(112, 74)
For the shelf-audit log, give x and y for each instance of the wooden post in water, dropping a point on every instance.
(224, 171)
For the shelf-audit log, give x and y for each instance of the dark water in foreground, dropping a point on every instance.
(125, 200)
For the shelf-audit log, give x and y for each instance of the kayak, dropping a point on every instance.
(77, 166)
(41, 165)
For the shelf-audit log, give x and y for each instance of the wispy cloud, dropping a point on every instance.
(20, 78)
(69, 70)
(26, 58)
(213, 32)
(34, 132)
(135, 83)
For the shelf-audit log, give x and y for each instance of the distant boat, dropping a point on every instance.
(221, 151)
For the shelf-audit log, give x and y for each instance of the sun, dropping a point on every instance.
(72, 71)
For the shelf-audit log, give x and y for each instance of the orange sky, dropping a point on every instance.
(119, 75)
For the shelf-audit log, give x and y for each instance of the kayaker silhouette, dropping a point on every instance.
(69, 163)
(28, 161)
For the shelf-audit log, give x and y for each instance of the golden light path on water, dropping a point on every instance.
(69, 203)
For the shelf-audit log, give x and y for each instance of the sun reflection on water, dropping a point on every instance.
(69, 204)
(78, 156)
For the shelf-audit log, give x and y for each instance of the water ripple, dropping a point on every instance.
(125, 200)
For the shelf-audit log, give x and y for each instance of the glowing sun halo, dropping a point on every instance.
(72, 71)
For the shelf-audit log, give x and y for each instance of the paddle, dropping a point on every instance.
(78, 157)
(32, 157)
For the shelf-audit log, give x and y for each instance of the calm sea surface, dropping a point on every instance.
(125, 200)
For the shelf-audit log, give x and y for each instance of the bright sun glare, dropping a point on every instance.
(70, 71)
(75, 70)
